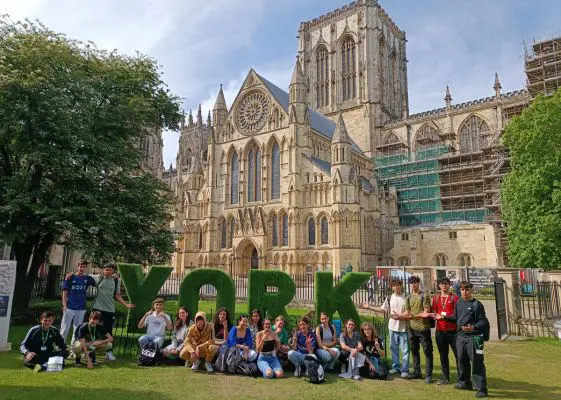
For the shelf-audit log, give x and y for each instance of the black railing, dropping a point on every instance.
(541, 301)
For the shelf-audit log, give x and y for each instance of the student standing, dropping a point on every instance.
(471, 322)
(74, 299)
(444, 304)
(37, 346)
(418, 307)
(108, 290)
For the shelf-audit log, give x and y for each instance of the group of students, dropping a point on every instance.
(461, 325)
(267, 343)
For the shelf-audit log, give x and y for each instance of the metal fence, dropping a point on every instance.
(541, 301)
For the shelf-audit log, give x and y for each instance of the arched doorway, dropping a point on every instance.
(246, 257)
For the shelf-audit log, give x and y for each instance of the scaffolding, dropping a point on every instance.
(543, 66)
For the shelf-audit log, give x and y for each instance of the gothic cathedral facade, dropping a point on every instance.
(301, 181)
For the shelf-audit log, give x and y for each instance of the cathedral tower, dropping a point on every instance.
(354, 60)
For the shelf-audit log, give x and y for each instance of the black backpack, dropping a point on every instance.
(247, 368)
(486, 329)
(233, 358)
(316, 373)
(149, 355)
(220, 364)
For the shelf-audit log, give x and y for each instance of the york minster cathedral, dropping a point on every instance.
(333, 170)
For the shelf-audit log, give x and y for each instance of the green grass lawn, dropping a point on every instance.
(515, 370)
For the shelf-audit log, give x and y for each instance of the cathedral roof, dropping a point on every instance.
(321, 164)
(318, 122)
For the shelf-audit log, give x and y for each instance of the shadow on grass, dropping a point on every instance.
(49, 392)
(502, 388)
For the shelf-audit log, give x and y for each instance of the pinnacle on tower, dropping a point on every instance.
(448, 98)
(220, 103)
(341, 135)
(190, 117)
(297, 74)
(497, 86)
(199, 116)
(208, 121)
(182, 118)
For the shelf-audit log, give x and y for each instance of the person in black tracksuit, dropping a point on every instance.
(38, 345)
(469, 317)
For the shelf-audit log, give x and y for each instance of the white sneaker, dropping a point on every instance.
(208, 367)
(195, 365)
(297, 371)
(71, 356)
(109, 356)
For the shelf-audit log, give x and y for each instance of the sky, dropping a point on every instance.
(201, 44)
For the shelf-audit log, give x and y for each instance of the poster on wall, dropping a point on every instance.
(7, 283)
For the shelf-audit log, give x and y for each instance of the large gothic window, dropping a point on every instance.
(427, 137)
(348, 69)
(470, 134)
(223, 230)
(275, 172)
(322, 86)
(285, 230)
(275, 231)
(254, 174)
(324, 231)
(311, 232)
(234, 179)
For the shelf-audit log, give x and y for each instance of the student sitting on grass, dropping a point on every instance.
(373, 347)
(222, 326)
(199, 343)
(182, 324)
(267, 343)
(255, 325)
(282, 333)
(327, 340)
(240, 337)
(91, 337)
(37, 346)
(351, 347)
(303, 343)
(156, 322)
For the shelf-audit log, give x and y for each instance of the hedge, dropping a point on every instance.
(271, 304)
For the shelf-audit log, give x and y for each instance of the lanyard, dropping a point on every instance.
(92, 334)
(44, 338)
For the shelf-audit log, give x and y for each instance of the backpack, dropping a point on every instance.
(247, 368)
(486, 328)
(233, 358)
(316, 373)
(220, 363)
(149, 355)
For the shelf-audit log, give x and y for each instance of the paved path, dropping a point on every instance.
(491, 311)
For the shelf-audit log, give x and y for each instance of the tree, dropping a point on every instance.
(531, 192)
(71, 118)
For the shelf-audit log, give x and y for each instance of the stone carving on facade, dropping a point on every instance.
(252, 112)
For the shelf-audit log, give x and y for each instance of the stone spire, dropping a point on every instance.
(220, 103)
(341, 135)
(190, 118)
(208, 121)
(497, 86)
(199, 116)
(182, 118)
(220, 110)
(448, 99)
(298, 75)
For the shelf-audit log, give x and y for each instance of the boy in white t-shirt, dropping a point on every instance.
(398, 329)
(156, 322)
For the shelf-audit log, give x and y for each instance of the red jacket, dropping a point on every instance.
(444, 306)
